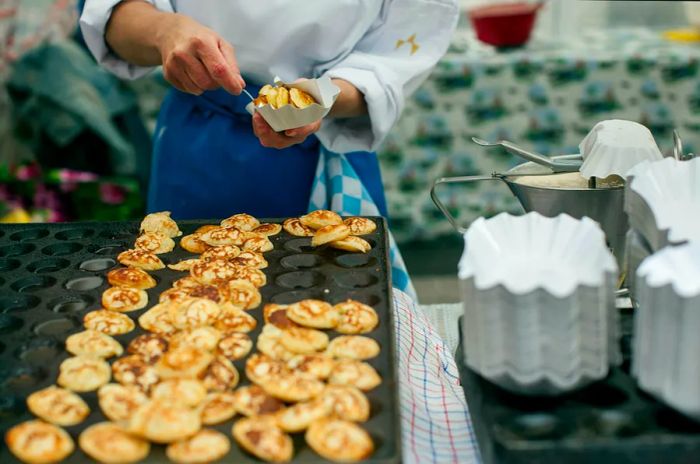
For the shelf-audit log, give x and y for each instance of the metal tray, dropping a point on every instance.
(51, 275)
(609, 422)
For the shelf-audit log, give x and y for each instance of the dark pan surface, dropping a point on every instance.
(51, 275)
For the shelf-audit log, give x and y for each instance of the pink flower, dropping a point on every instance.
(112, 194)
(68, 175)
(27, 172)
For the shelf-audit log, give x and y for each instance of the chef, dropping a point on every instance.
(211, 158)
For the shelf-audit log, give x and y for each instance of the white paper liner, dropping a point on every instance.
(676, 266)
(671, 190)
(532, 251)
(615, 146)
(289, 117)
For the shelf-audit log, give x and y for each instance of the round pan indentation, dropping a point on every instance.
(9, 323)
(538, 426)
(300, 245)
(355, 260)
(48, 265)
(62, 249)
(107, 249)
(21, 378)
(10, 407)
(69, 304)
(355, 280)
(17, 303)
(39, 351)
(55, 327)
(74, 234)
(32, 284)
(98, 264)
(29, 234)
(9, 264)
(118, 234)
(300, 279)
(16, 250)
(297, 295)
(301, 261)
(84, 283)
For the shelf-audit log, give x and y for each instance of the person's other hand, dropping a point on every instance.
(196, 59)
(271, 139)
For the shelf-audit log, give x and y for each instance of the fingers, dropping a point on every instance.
(271, 139)
(220, 61)
(304, 131)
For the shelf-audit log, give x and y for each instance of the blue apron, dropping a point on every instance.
(207, 163)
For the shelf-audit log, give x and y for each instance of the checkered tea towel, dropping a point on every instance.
(435, 421)
(338, 187)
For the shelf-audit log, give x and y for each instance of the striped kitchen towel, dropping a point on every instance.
(338, 187)
(435, 419)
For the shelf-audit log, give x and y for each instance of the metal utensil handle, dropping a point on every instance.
(516, 150)
(456, 180)
(677, 146)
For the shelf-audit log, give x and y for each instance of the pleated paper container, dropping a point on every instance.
(539, 305)
(289, 117)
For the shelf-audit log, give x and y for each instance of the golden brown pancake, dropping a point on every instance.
(224, 236)
(254, 276)
(260, 244)
(204, 447)
(194, 312)
(160, 223)
(118, 402)
(213, 272)
(269, 343)
(205, 338)
(140, 259)
(150, 347)
(298, 417)
(356, 318)
(93, 343)
(109, 443)
(356, 373)
(352, 244)
(330, 234)
(235, 346)
(108, 322)
(37, 442)
(162, 422)
(261, 437)
(360, 226)
(321, 218)
(83, 373)
(193, 244)
(276, 315)
(318, 366)
(260, 368)
(313, 313)
(58, 406)
(233, 319)
(244, 222)
(130, 277)
(339, 440)
(154, 242)
(292, 387)
(250, 259)
(157, 319)
(294, 227)
(303, 341)
(300, 99)
(174, 295)
(353, 347)
(184, 392)
(221, 252)
(135, 371)
(186, 282)
(348, 402)
(243, 294)
(268, 230)
(221, 375)
(124, 299)
(183, 362)
(184, 265)
(218, 407)
(253, 401)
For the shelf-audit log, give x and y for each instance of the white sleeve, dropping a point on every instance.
(93, 23)
(387, 65)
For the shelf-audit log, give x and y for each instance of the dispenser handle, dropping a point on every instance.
(456, 180)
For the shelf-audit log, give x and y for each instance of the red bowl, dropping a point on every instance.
(505, 24)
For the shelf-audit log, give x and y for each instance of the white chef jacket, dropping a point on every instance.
(385, 48)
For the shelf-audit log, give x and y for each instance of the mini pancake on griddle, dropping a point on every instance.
(83, 373)
(184, 264)
(261, 368)
(150, 347)
(260, 244)
(204, 447)
(160, 223)
(303, 341)
(353, 347)
(118, 402)
(235, 345)
(58, 406)
(224, 236)
(140, 259)
(298, 417)
(330, 234)
(250, 259)
(134, 370)
(356, 318)
(252, 400)
(37, 442)
(130, 277)
(109, 443)
(317, 365)
(347, 402)
(93, 343)
(261, 437)
(244, 222)
(218, 407)
(154, 242)
(313, 313)
(124, 299)
(193, 244)
(183, 362)
(205, 338)
(268, 230)
(356, 373)
(276, 314)
(233, 319)
(213, 272)
(220, 252)
(254, 276)
(269, 343)
(108, 322)
(243, 294)
(220, 375)
(339, 440)
(292, 387)
(187, 392)
(164, 422)
(321, 218)
(360, 226)
(157, 319)
(194, 312)
(352, 244)
(294, 227)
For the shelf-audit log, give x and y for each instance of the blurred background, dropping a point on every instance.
(75, 142)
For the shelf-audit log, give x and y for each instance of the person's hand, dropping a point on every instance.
(271, 139)
(196, 59)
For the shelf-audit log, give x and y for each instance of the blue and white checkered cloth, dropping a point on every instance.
(337, 187)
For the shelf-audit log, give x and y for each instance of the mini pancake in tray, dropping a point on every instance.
(58, 406)
(109, 443)
(130, 277)
(108, 322)
(205, 446)
(38, 442)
